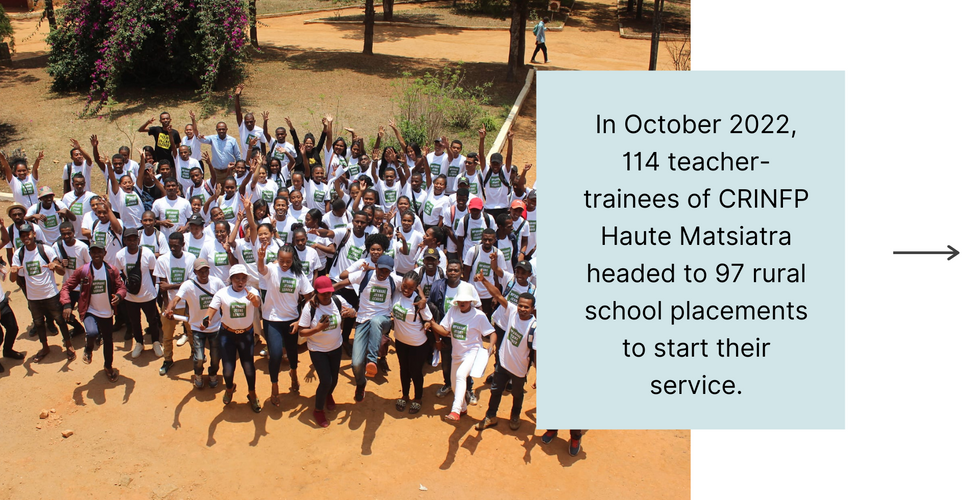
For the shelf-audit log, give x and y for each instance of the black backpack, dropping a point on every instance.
(134, 280)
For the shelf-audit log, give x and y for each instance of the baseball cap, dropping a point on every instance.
(97, 244)
(323, 284)
(475, 203)
(517, 204)
(386, 262)
(237, 269)
(525, 265)
(430, 253)
(196, 219)
(201, 263)
(130, 231)
(496, 158)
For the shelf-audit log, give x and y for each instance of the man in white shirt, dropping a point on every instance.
(33, 268)
(246, 126)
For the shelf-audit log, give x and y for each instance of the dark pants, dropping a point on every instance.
(51, 309)
(500, 339)
(94, 328)
(135, 326)
(201, 341)
(500, 378)
(277, 334)
(542, 48)
(576, 434)
(327, 366)
(447, 365)
(495, 212)
(411, 359)
(233, 346)
(9, 323)
(348, 323)
(488, 305)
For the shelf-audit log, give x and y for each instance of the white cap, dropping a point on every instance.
(238, 269)
(467, 293)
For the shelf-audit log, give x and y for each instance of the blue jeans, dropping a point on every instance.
(277, 334)
(198, 339)
(234, 345)
(367, 340)
(94, 327)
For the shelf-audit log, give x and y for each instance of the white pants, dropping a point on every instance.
(462, 366)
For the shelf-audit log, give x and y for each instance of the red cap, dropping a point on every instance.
(475, 203)
(323, 284)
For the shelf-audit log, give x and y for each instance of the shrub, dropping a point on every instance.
(102, 44)
(435, 102)
(6, 29)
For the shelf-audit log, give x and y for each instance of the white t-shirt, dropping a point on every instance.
(235, 309)
(405, 263)
(311, 262)
(75, 257)
(156, 242)
(479, 261)
(175, 270)
(15, 241)
(71, 169)
(426, 281)
(408, 327)
(51, 221)
(497, 193)
(452, 217)
(103, 232)
(316, 196)
(218, 259)
(182, 171)
(129, 206)
(194, 143)
(476, 189)
(436, 163)
(508, 250)
(198, 301)
(202, 192)
(334, 222)
(532, 228)
(282, 293)
(329, 339)
(265, 191)
(229, 207)
(283, 228)
(148, 263)
(433, 208)
(99, 304)
(176, 211)
(284, 160)
(352, 250)
(197, 246)
(25, 192)
(516, 290)
(452, 171)
(515, 353)
(466, 330)
(474, 229)
(78, 206)
(389, 194)
(298, 215)
(416, 199)
(39, 279)
(245, 135)
(377, 296)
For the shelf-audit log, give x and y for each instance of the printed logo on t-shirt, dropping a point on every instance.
(268, 196)
(319, 196)
(248, 256)
(476, 234)
(70, 263)
(378, 294)
(229, 212)
(495, 181)
(435, 168)
(390, 196)
(474, 188)
(185, 173)
(194, 250)
(177, 275)
(205, 301)
(152, 248)
(459, 331)
(282, 235)
(428, 208)
(513, 296)
(448, 304)
(100, 237)
(27, 188)
(506, 252)
(514, 337)
(163, 140)
(50, 221)
(76, 208)
(221, 258)
(132, 200)
(484, 268)
(287, 285)
(398, 312)
(172, 215)
(33, 268)
(354, 253)
(453, 171)
(18, 243)
(306, 268)
(533, 224)
(333, 321)
(237, 309)
(270, 256)
(354, 169)
(426, 289)
(98, 286)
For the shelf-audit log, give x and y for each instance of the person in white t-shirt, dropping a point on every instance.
(466, 326)
(409, 314)
(73, 254)
(171, 211)
(320, 323)
(36, 265)
(286, 287)
(515, 349)
(478, 260)
(136, 256)
(81, 163)
(246, 126)
(197, 294)
(48, 213)
(23, 183)
(172, 269)
(237, 304)
(78, 201)
(192, 138)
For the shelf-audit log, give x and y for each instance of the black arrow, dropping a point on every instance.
(952, 253)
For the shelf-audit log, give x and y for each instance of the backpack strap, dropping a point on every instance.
(508, 287)
(364, 281)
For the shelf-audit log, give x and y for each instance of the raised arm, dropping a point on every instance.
(510, 150)
(238, 103)
(146, 126)
(206, 158)
(492, 289)
(265, 126)
(381, 133)
(94, 139)
(398, 135)
(8, 173)
(37, 163)
(194, 124)
(113, 220)
(328, 128)
(483, 138)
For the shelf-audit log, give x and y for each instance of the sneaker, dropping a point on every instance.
(199, 381)
(574, 446)
(213, 381)
(359, 394)
(515, 423)
(371, 369)
(181, 340)
(446, 389)
(157, 349)
(321, 418)
(166, 367)
(548, 436)
(487, 422)
(137, 350)
(331, 404)
(471, 397)
(264, 353)
(435, 358)
(533, 61)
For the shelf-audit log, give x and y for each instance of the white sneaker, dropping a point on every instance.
(137, 350)
(157, 349)
(435, 358)
(181, 340)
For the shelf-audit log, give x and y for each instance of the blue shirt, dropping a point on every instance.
(539, 38)
(223, 151)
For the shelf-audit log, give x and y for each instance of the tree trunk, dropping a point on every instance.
(389, 9)
(369, 27)
(629, 6)
(253, 32)
(658, 17)
(49, 13)
(639, 9)
(518, 23)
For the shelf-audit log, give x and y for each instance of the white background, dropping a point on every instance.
(912, 127)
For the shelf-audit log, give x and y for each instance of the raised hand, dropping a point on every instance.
(193, 116)
(40, 155)
(527, 168)
(289, 123)
(205, 156)
(265, 115)
(239, 89)
(376, 154)
(74, 143)
(510, 134)
(483, 131)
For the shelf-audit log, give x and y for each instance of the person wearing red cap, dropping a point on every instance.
(470, 230)
(321, 324)
(520, 226)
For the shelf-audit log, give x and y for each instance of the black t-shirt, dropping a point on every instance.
(161, 143)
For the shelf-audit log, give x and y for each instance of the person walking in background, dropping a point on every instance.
(539, 30)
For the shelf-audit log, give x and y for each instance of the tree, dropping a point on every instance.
(518, 25)
(658, 22)
(49, 13)
(389, 9)
(369, 27)
(253, 31)
(639, 9)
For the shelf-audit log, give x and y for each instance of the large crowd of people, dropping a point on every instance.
(275, 242)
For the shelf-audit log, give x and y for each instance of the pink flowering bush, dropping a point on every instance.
(101, 45)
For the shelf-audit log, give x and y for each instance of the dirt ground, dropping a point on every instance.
(148, 436)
